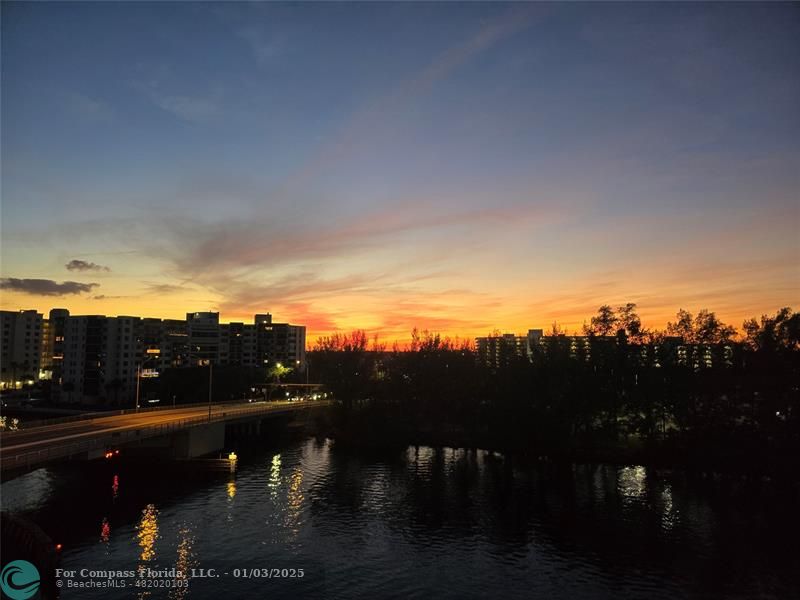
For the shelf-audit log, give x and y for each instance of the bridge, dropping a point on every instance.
(189, 430)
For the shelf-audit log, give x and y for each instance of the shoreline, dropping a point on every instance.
(657, 456)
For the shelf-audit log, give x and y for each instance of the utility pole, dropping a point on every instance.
(138, 378)
(209, 389)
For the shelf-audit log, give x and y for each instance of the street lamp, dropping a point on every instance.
(267, 385)
(138, 379)
(209, 389)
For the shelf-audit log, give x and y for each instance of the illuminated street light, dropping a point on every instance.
(138, 380)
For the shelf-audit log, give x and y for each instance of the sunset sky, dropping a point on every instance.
(456, 167)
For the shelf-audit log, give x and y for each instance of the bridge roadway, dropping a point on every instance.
(68, 437)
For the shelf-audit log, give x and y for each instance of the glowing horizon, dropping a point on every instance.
(569, 325)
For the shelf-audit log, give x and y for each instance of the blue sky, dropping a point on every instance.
(458, 166)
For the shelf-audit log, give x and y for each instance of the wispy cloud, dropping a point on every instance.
(187, 108)
(265, 47)
(45, 287)
(164, 288)
(82, 265)
(88, 107)
(192, 108)
(369, 121)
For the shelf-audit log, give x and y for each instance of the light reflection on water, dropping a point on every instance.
(147, 533)
(185, 561)
(425, 522)
(275, 475)
(632, 483)
(105, 531)
(670, 515)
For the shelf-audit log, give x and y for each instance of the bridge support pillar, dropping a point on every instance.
(199, 441)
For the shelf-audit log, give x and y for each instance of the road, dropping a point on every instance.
(59, 438)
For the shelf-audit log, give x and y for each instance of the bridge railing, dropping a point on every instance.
(126, 411)
(125, 435)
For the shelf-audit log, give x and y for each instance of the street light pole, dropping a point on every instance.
(138, 379)
(209, 389)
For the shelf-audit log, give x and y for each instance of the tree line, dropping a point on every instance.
(709, 398)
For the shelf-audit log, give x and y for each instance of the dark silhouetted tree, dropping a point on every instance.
(628, 319)
(781, 331)
(604, 323)
(705, 328)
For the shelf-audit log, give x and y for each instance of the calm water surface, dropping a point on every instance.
(421, 523)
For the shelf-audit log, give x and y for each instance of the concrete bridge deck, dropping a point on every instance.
(65, 438)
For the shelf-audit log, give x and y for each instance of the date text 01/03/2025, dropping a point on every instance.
(284, 573)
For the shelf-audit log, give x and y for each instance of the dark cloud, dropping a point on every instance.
(82, 265)
(204, 251)
(45, 287)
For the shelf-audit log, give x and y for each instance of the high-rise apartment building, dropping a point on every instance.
(21, 335)
(92, 358)
(85, 349)
(280, 343)
(204, 337)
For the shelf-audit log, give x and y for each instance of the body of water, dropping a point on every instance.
(421, 523)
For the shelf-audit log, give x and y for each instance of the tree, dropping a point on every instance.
(710, 330)
(705, 328)
(629, 321)
(604, 323)
(343, 362)
(343, 342)
(682, 327)
(277, 371)
(780, 331)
